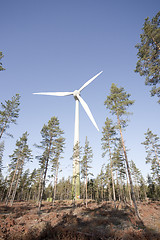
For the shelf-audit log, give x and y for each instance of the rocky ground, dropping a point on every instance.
(65, 221)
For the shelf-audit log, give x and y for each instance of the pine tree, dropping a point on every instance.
(76, 158)
(23, 188)
(118, 102)
(119, 160)
(32, 185)
(119, 167)
(151, 191)
(9, 114)
(85, 165)
(68, 188)
(148, 64)
(152, 146)
(20, 156)
(100, 183)
(136, 176)
(51, 135)
(108, 142)
(64, 189)
(91, 189)
(3, 188)
(1, 56)
(108, 181)
(58, 150)
(142, 189)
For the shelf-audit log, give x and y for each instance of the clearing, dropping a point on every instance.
(65, 221)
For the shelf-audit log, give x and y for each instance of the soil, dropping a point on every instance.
(66, 221)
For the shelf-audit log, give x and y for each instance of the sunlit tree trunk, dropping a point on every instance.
(11, 185)
(129, 174)
(86, 191)
(43, 185)
(113, 185)
(55, 183)
(15, 189)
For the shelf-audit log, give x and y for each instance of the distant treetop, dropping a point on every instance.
(1, 56)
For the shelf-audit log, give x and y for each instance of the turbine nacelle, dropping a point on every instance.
(76, 94)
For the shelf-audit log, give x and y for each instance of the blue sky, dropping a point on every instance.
(58, 46)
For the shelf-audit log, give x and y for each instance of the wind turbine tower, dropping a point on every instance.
(78, 98)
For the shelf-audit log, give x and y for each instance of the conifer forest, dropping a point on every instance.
(117, 203)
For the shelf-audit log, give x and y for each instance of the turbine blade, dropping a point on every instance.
(61, 94)
(86, 108)
(89, 81)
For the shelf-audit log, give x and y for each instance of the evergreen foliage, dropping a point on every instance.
(117, 102)
(110, 183)
(76, 158)
(148, 64)
(108, 142)
(153, 190)
(139, 183)
(85, 165)
(58, 150)
(52, 146)
(20, 156)
(1, 56)
(152, 146)
(109, 136)
(119, 161)
(9, 113)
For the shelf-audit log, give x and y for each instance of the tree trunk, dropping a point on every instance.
(43, 186)
(55, 183)
(109, 191)
(102, 192)
(97, 193)
(44, 178)
(128, 188)
(86, 191)
(40, 186)
(121, 190)
(10, 189)
(15, 189)
(118, 187)
(2, 130)
(113, 188)
(128, 169)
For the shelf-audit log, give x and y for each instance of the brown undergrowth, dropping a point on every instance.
(65, 221)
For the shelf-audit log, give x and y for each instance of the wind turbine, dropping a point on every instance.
(78, 99)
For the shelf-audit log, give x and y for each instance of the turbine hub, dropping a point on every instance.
(75, 93)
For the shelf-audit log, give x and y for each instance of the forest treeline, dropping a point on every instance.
(119, 179)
